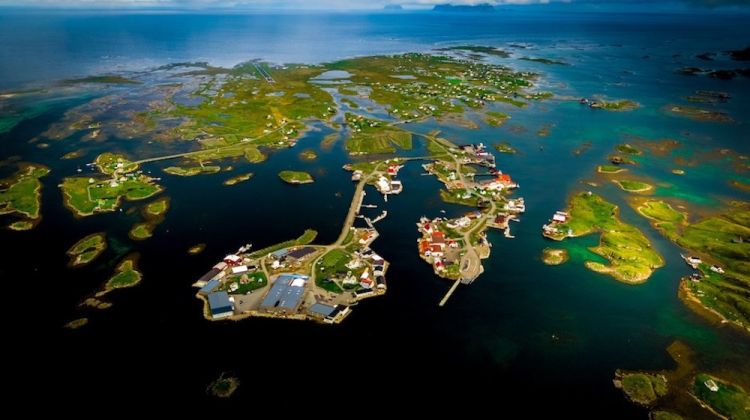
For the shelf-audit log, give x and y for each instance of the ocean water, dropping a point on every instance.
(493, 342)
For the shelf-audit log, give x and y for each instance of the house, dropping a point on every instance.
(239, 269)
(301, 253)
(206, 278)
(424, 246)
(716, 269)
(380, 280)
(436, 250)
(438, 238)
(286, 293)
(232, 260)
(210, 286)
(559, 218)
(366, 283)
(220, 305)
(322, 310)
(383, 185)
(396, 187)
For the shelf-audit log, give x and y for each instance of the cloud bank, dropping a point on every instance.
(331, 4)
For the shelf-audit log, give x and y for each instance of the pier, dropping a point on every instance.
(450, 293)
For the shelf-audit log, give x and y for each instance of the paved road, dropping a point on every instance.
(198, 152)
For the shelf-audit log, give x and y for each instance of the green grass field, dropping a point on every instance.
(307, 237)
(255, 281)
(729, 400)
(332, 263)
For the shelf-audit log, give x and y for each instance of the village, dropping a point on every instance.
(297, 280)
(306, 282)
(455, 247)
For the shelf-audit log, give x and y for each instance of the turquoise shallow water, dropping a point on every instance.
(559, 331)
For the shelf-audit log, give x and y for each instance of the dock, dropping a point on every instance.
(450, 293)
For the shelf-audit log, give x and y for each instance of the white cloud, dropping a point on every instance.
(306, 4)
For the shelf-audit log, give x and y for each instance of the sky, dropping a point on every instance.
(331, 4)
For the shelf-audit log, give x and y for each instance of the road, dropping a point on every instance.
(198, 152)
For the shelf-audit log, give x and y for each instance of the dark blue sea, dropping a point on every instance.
(524, 336)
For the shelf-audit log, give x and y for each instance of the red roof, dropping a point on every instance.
(436, 248)
(438, 237)
(424, 246)
(505, 178)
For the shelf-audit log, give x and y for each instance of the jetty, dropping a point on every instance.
(450, 293)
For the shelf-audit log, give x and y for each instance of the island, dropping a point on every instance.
(699, 114)
(126, 275)
(633, 186)
(141, 231)
(610, 169)
(547, 61)
(631, 258)
(153, 214)
(308, 155)
(721, 397)
(640, 387)
(495, 119)
(224, 386)
(87, 249)
(192, 170)
(157, 208)
(196, 249)
(683, 390)
(298, 280)
(238, 179)
(554, 256)
(76, 323)
(505, 147)
(718, 248)
(296, 177)
(21, 195)
(86, 196)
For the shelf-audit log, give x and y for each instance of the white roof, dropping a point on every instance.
(298, 282)
(239, 269)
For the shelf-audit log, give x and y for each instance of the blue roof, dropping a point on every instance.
(280, 253)
(283, 294)
(210, 286)
(219, 303)
(322, 309)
